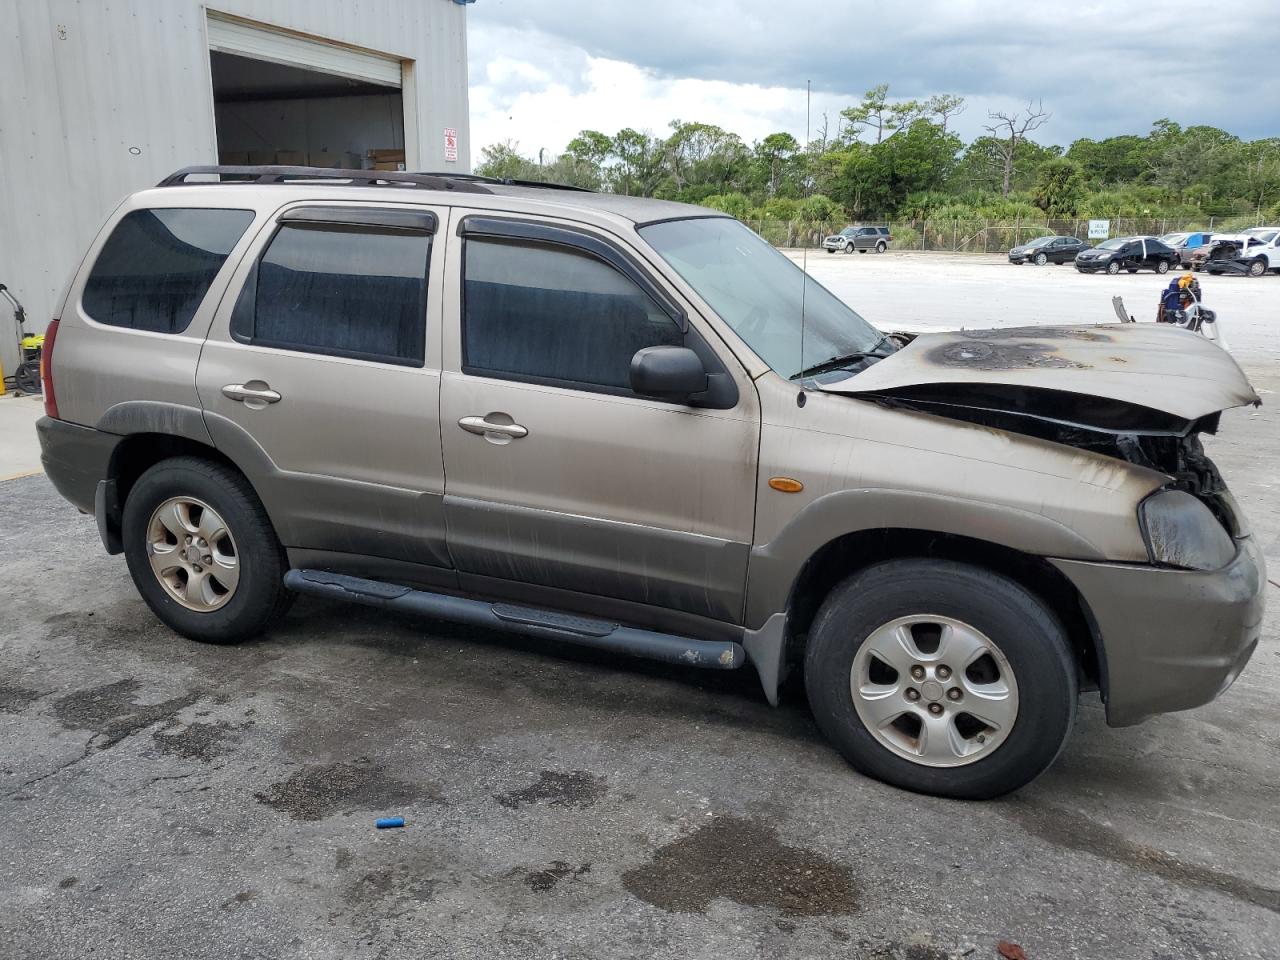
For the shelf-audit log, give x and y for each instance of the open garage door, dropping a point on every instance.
(280, 98)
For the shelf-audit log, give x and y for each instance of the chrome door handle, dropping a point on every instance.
(483, 426)
(254, 396)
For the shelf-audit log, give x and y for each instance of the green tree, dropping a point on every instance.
(1059, 187)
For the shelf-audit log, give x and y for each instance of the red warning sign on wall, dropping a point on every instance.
(450, 144)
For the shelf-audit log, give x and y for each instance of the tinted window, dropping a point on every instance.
(340, 290)
(157, 265)
(551, 313)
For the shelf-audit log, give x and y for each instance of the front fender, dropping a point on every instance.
(775, 566)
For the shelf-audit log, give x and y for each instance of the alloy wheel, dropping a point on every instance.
(934, 690)
(192, 554)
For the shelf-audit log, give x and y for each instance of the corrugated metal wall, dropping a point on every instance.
(99, 98)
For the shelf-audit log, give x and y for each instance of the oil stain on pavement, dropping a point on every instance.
(578, 788)
(1073, 831)
(112, 712)
(744, 861)
(316, 792)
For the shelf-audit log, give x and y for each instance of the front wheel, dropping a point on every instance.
(1162, 266)
(1041, 259)
(202, 551)
(942, 678)
(848, 248)
(1258, 267)
(1113, 268)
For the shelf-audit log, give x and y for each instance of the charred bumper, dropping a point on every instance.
(1171, 639)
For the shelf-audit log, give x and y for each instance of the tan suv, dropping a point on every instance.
(633, 425)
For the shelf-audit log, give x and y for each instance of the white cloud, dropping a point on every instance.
(541, 70)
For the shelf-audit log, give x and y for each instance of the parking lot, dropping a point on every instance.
(162, 798)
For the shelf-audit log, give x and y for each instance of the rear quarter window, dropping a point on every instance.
(157, 265)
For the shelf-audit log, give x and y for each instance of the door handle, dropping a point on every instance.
(254, 394)
(484, 427)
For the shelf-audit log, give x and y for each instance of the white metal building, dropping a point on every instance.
(99, 98)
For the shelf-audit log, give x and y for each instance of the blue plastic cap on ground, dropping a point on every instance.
(387, 823)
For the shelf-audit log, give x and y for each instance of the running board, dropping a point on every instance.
(584, 631)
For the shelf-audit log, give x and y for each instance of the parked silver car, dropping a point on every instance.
(594, 418)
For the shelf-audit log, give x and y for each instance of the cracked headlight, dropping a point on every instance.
(1180, 531)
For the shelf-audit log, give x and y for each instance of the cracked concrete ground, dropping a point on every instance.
(160, 798)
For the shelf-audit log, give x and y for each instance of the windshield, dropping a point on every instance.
(848, 231)
(1262, 235)
(1038, 241)
(758, 292)
(1113, 244)
(1173, 239)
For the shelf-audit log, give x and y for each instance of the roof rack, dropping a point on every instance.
(510, 182)
(354, 178)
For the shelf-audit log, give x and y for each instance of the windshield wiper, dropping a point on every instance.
(835, 363)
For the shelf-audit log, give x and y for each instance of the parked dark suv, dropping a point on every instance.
(861, 239)
(1128, 253)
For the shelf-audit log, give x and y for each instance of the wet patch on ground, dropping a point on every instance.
(314, 793)
(1072, 831)
(544, 879)
(578, 788)
(196, 741)
(14, 699)
(744, 861)
(111, 710)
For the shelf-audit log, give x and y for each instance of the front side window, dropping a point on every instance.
(158, 264)
(780, 311)
(348, 290)
(550, 313)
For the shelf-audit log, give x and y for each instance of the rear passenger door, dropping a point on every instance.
(320, 376)
(560, 478)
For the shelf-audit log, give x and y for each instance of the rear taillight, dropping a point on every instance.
(46, 371)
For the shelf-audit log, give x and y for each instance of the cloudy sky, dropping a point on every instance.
(541, 70)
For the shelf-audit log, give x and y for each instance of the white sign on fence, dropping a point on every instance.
(1099, 229)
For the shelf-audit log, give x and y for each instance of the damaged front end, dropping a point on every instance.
(1134, 392)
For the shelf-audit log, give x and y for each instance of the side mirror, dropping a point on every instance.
(668, 373)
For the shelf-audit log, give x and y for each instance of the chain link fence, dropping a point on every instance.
(988, 236)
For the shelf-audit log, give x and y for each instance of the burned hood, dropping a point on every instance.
(1118, 378)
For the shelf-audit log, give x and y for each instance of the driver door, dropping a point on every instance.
(558, 476)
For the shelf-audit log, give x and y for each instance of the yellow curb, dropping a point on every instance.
(19, 476)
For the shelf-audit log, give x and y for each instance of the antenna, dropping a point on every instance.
(804, 251)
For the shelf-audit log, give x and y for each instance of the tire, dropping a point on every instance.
(1113, 268)
(848, 248)
(1162, 266)
(1257, 268)
(1041, 259)
(1029, 638)
(255, 601)
(863, 250)
(831, 250)
(27, 379)
(881, 246)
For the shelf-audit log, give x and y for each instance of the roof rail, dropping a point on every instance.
(510, 182)
(355, 178)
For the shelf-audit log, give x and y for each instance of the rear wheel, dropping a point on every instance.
(202, 551)
(1258, 267)
(881, 246)
(941, 677)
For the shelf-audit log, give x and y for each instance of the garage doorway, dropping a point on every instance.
(283, 99)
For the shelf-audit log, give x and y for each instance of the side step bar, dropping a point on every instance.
(600, 634)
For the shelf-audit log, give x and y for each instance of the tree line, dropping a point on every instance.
(895, 159)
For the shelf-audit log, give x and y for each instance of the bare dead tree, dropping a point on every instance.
(1009, 130)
